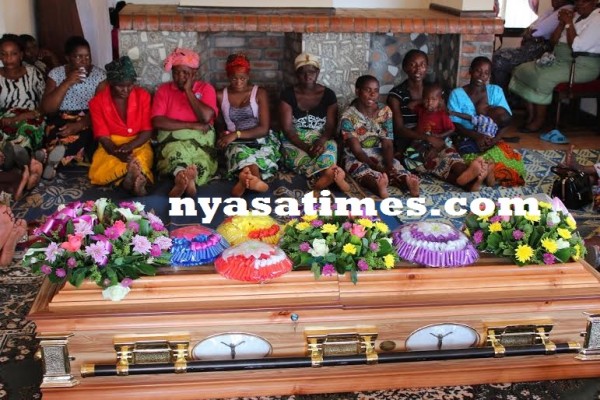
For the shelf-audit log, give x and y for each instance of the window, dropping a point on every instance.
(516, 13)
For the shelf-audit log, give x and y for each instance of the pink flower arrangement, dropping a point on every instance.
(99, 240)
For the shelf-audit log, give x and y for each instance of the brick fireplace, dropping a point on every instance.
(350, 43)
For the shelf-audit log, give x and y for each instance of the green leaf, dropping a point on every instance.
(77, 277)
(69, 229)
(144, 227)
(563, 255)
(146, 269)
(316, 270)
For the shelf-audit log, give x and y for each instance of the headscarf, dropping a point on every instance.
(181, 56)
(237, 62)
(306, 59)
(120, 70)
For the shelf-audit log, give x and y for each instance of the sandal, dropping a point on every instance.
(554, 136)
(55, 156)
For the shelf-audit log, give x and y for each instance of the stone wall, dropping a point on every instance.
(344, 57)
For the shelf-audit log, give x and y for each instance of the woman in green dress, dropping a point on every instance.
(251, 149)
(183, 112)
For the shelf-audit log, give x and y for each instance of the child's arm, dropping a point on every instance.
(460, 115)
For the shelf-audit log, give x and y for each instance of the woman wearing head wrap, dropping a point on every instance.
(183, 111)
(251, 149)
(308, 116)
(121, 120)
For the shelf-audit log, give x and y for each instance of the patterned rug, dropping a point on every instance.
(20, 374)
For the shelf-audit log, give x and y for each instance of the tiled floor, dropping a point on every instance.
(587, 136)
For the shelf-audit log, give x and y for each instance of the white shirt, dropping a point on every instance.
(547, 23)
(588, 33)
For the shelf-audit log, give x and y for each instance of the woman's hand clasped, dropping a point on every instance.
(317, 148)
(225, 140)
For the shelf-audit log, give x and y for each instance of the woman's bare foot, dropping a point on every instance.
(256, 184)
(490, 178)
(18, 195)
(475, 185)
(240, 186)
(181, 182)
(382, 184)
(339, 177)
(139, 185)
(7, 220)
(472, 172)
(412, 183)
(326, 179)
(133, 171)
(18, 230)
(35, 173)
(191, 172)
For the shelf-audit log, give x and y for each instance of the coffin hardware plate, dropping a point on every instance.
(591, 343)
(53, 352)
(132, 351)
(339, 342)
(500, 336)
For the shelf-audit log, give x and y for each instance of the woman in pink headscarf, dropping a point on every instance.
(183, 112)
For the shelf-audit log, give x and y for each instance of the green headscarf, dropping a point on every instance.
(119, 71)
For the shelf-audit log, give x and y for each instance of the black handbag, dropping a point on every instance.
(572, 187)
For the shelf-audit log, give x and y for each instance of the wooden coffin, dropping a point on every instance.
(197, 303)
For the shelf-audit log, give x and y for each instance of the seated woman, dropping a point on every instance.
(436, 157)
(535, 41)
(251, 149)
(578, 31)
(183, 111)
(11, 232)
(480, 98)
(308, 117)
(368, 134)
(21, 124)
(69, 89)
(120, 115)
(43, 59)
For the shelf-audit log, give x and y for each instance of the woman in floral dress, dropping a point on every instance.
(368, 135)
(251, 149)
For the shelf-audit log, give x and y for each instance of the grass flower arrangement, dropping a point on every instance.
(336, 245)
(106, 243)
(544, 238)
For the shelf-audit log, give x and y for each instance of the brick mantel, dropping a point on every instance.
(169, 18)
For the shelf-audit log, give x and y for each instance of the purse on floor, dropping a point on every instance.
(572, 187)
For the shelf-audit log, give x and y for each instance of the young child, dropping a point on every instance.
(433, 118)
(369, 142)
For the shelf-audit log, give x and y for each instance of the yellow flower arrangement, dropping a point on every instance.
(546, 237)
(336, 245)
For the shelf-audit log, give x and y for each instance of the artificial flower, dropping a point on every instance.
(349, 248)
(329, 228)
(319, 248)
(389, 261)
(564, 233)
(302, 226)
(550, 245)
(523, 253)
(495, 227)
